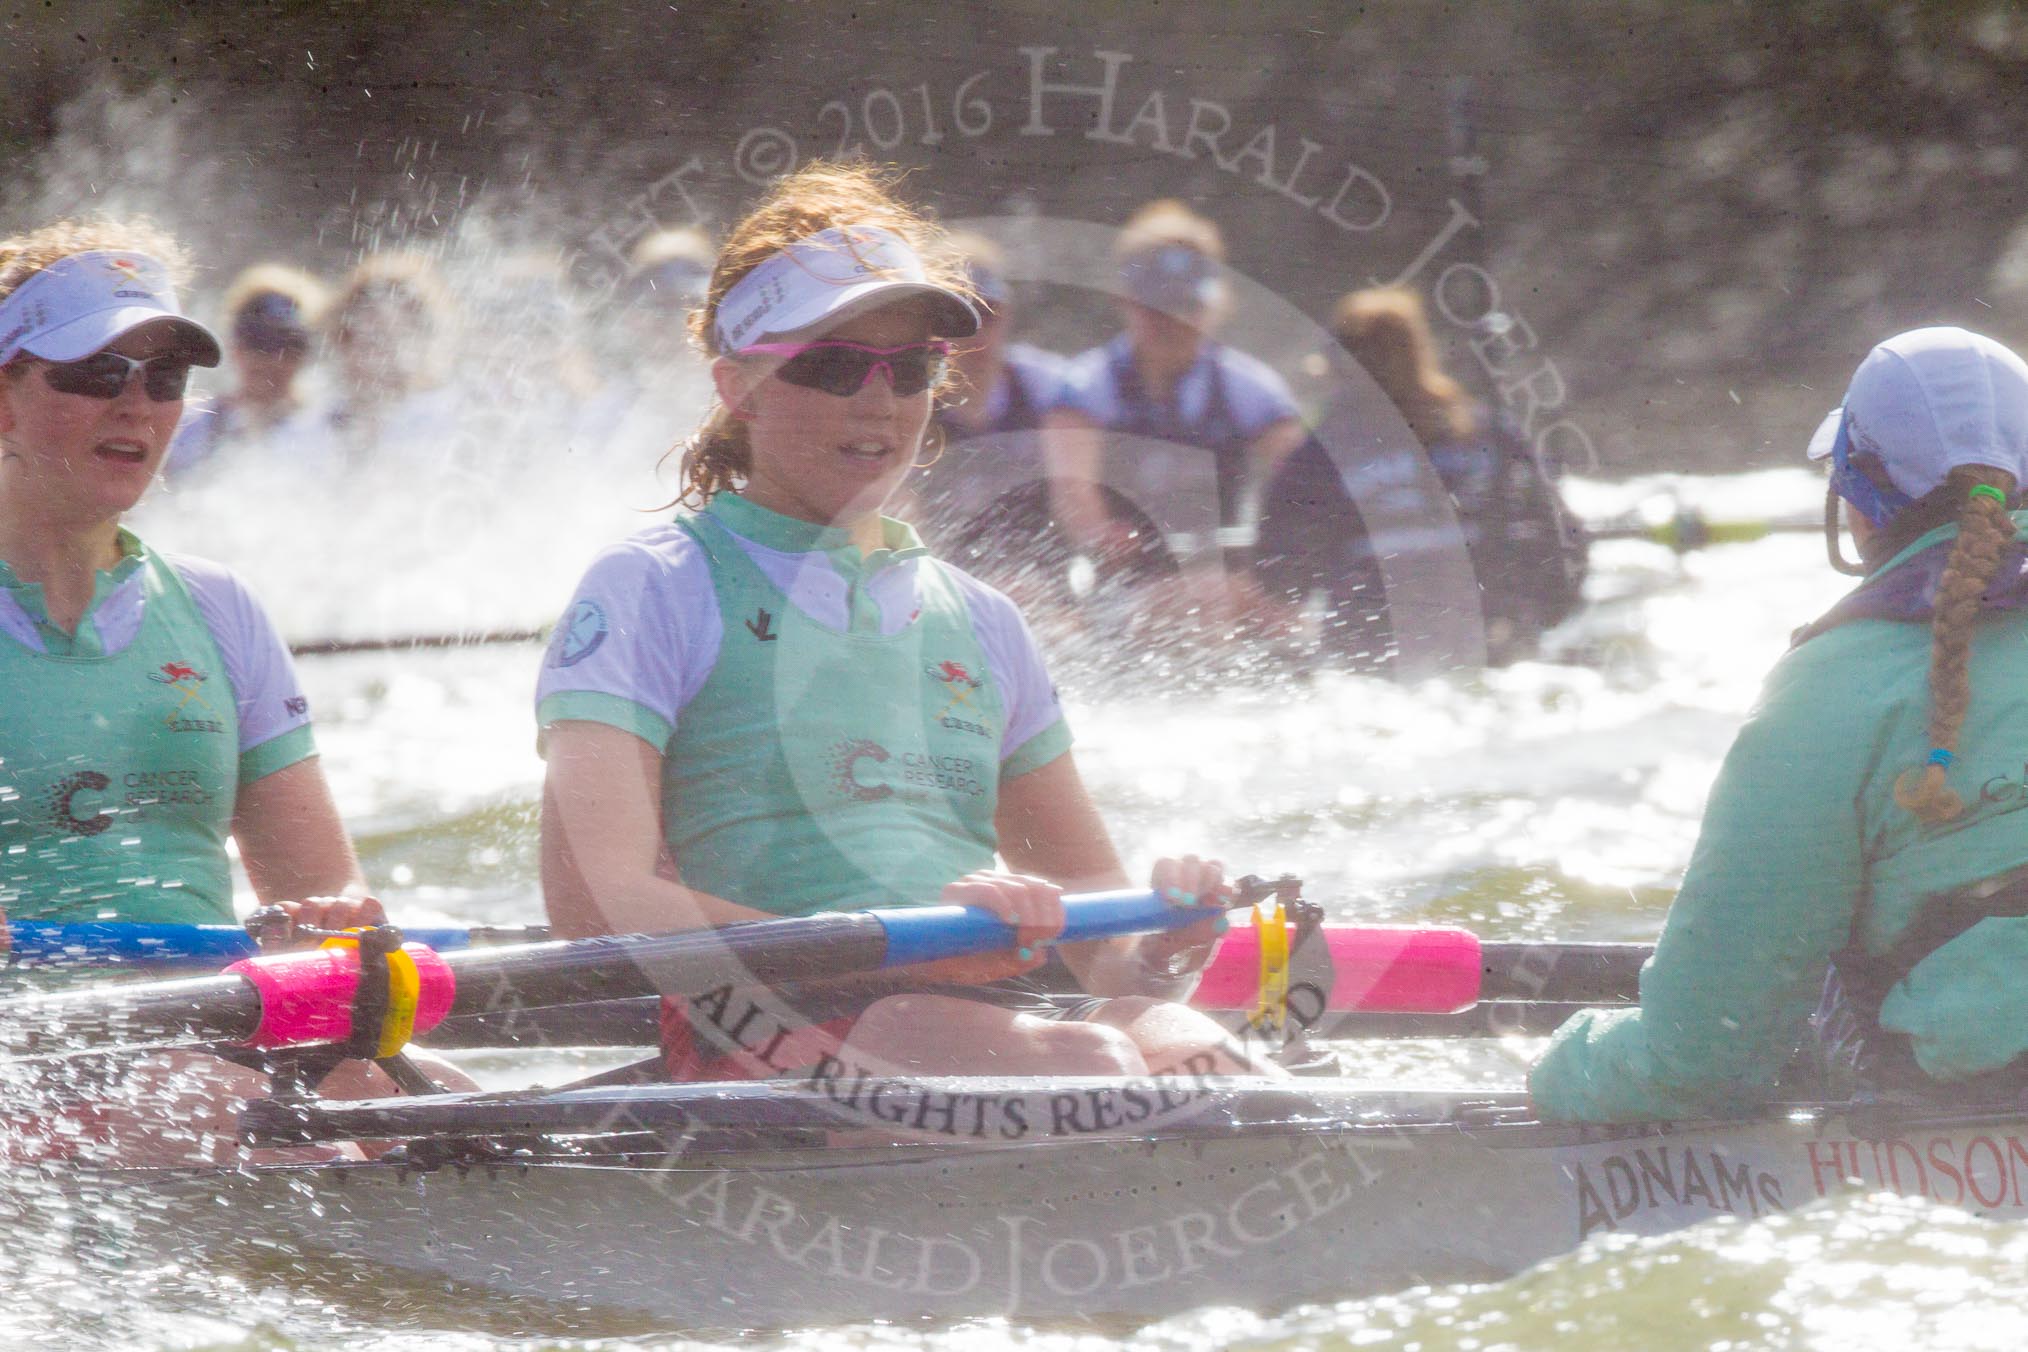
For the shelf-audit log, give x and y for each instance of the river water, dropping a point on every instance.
(1556, 798)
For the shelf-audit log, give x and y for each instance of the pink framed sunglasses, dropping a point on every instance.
(840, 368)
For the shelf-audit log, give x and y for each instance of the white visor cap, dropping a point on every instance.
(825, 278)
(1929, 400)
(83, 301)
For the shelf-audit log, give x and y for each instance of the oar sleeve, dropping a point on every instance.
(309, 997)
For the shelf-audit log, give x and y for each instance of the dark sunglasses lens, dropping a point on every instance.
(841, 371)
(916, 371)
(105, 375)
(100, 377)
(837, 371)
(168, 377)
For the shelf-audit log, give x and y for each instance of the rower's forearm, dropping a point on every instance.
(1081, 509)
(1073, 455)
(1122, 966)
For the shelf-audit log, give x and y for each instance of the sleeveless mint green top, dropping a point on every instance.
(810, 768)
(120, 761)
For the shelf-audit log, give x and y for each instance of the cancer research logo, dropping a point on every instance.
(580, 635)
(845, 759)
(954, 675)
(64, 806)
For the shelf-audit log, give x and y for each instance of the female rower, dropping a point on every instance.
(1526, 551)
(394, 412)
(1861, 856)
(1182, 423)
(992, 433)
(271, 310)
(779, 704)
(152, 711)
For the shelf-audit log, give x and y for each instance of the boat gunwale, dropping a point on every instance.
(610, 1126)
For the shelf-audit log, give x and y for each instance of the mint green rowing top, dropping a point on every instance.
(121, 760)
(813, 768)
(1801, 840)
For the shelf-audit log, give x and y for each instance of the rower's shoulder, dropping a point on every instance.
(1865, 665)
(663, 550)
(1237, 362)
(988, 606)
(1249, 374)
(207, 580)
(975, 592)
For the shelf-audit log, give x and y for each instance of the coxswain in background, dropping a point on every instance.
(1337, 518)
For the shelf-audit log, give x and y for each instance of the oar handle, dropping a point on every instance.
(927, 933)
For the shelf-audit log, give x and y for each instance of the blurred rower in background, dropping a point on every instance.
(661, 379)
(983, 496)
(390, 333)
(1178, 421)
(1328, 525)
(270, 311)
(670, 270)
(535, 396)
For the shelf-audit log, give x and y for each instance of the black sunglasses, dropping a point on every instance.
(104, 375)
(840, 368)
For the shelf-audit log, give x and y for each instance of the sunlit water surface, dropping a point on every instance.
(1557, 798)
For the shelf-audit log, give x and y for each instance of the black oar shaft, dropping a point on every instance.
(200, 1009)
(1597, 973)
(497, 988)
(764, 952)
(633, 1023)
(489, 981)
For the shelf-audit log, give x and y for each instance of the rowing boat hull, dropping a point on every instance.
(1261, 1198)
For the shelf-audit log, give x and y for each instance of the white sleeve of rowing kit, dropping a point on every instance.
(1255, 391)
(265, 691)
(643, 628)
(1085, 385)
(1015, 661)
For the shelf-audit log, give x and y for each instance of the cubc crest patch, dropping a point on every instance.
(580, 635)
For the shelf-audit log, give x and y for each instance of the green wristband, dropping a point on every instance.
(1988, 491)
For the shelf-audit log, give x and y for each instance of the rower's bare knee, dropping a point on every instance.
(943, 1035)
(1174, 1039)
(1087, 1048)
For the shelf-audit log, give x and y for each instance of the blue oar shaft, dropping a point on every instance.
(917, 935)
(234, 1006)
(124, 943)
(921, 933)
(927, 933)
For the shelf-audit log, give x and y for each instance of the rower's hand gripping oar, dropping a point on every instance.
(309, 998)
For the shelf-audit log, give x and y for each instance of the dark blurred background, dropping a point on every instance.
(1699, 215)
